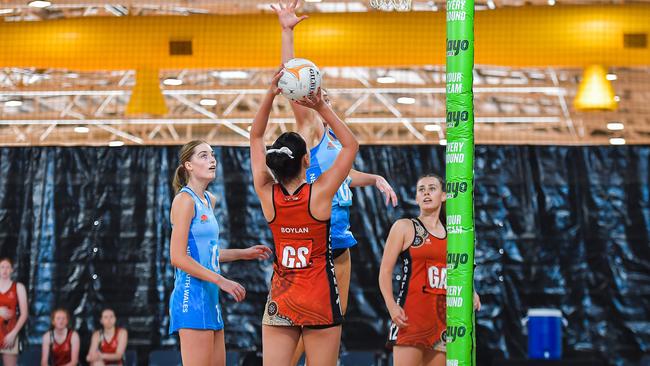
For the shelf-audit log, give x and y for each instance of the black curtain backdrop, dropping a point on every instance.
(560, 227)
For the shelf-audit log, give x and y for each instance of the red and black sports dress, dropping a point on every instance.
(303, 288)
(61, 353)
(109, 346)
(422, 291)
(8, 299)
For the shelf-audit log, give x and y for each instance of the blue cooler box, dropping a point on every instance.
(544, 334)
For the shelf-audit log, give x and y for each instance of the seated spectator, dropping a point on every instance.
(108, 344)
(60, 344)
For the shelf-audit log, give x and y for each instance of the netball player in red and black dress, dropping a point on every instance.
(108, 344)
(13, 313)
(303, 299)
(419, 314)
(61, 344)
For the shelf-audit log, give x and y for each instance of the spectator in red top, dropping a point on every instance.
(108, 344)
(13, 312)
(61, 344)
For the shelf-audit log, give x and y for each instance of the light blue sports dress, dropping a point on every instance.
(322, 158)
(194, 303)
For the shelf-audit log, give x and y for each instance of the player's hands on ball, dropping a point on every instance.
(398, 316)
(237, 291)
(314, 102)
(274, 89)
(286, 11)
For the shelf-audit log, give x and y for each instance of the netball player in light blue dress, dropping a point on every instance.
(194, 304)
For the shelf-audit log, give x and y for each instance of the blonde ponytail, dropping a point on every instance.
(181, 176)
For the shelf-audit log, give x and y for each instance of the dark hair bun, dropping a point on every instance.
(277, 161)
(286, 166)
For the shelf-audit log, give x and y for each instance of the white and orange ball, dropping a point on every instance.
(301, 78)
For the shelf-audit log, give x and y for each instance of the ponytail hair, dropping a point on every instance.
(181, 176)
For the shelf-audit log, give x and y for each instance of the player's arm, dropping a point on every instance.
(306, 123)
(45, 348)
(259, 252)
(361, 179)
(10, 338)
(394, 246)
(330, 181)
(262, 178)
(93, 353)
(476, 301)
(286, 12)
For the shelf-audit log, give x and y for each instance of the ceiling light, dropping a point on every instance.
(116, 143)
(551, 2)
(39, 4)
(231, 74)
(611, 77)
(208, 102)
(33, 79)
(443, 142)
(595, 92)
(386, 80)
(313, 1)
(406, 100)
(490, 4)
(431, 128)
(617, 141)
(81, 129)
(172, 81)
(13, 103)
(6, 11)
(615, 126)
(356, 7)
(332, 7)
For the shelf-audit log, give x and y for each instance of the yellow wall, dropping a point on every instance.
(523, 36)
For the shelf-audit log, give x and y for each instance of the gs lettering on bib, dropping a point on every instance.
(436, 278)
(295, 253)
